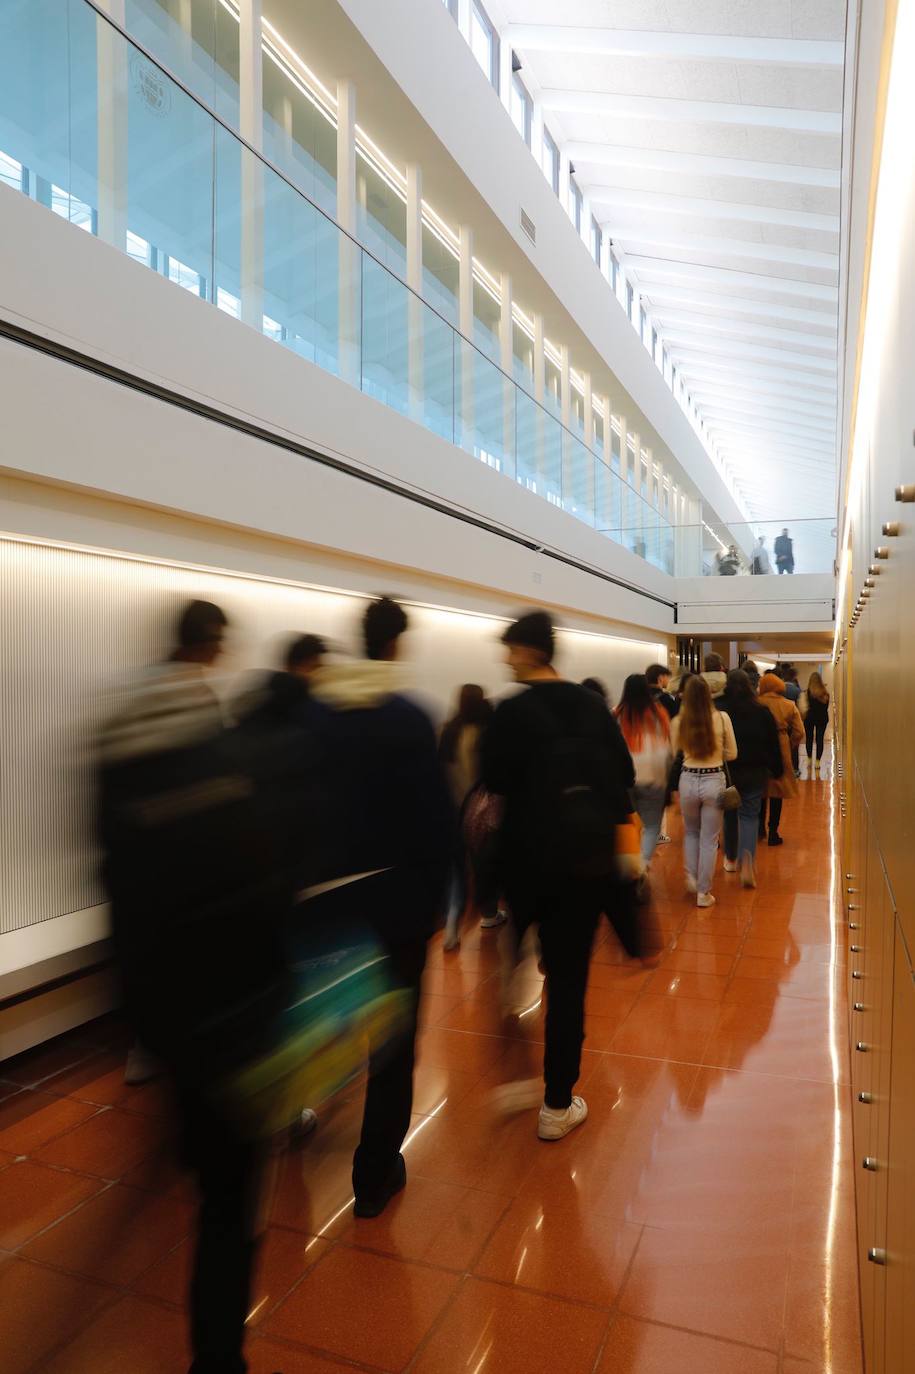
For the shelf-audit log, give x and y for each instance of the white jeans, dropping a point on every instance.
(702, 817)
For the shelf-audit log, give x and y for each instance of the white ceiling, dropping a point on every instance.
(708, 136)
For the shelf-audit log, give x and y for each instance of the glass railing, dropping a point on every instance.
(760, 549)
(93, 128)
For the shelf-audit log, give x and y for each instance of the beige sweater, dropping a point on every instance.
(725, 744)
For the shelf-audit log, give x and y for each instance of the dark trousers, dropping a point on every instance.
(229, 1176)
(567, 911)
(775, 814)
(815, 729)
(389, 1092)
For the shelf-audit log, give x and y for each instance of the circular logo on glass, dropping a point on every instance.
(150, 85)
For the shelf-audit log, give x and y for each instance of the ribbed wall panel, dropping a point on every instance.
(74, 625)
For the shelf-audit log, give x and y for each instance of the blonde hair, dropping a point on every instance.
(816, 688)
(697, 728)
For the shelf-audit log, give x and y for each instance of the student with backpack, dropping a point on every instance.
(556, 756)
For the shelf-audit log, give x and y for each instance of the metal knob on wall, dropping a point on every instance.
(890, 530)
(881, 551)
(876, 1255)
(905, 494)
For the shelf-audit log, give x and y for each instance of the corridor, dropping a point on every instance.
(700, 1223)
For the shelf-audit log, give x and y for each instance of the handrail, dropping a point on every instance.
(267, 162)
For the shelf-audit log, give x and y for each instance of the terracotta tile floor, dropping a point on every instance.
(686, 1227)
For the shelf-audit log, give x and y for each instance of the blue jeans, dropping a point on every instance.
(741, 827)
(649, 802)
(699, 796)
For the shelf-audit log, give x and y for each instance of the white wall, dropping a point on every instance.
(419, 43)
(755, 605)
(101, 436)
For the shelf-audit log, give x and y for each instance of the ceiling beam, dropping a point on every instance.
(685, 297)
(706, 371)
(667, 270)
(775, 394)
(677, 241)
(769, 418)
(655, 202)
(610, 42)
(740, 447)
(691, 321)
(702, 164)
(716, 422)
(567, 101)
(739, 349)
(722, 396)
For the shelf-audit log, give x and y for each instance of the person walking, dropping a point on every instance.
(815, 722)
(196, 861)
(646, 729)
(459, 752)
(728, 563)
(784, 553)
(759, 758)
(759, 560)
(788, 674)
(714, 673)
(706, 738)
(658, 680)
(556, 756)
(389, 862)
(790, 733)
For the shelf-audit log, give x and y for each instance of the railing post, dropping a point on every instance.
(415, 312)
(465, 369)
(113, 171)
(506, 360)
(349, 277)
(251, 125)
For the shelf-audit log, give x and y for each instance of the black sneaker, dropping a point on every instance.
(775, 839)
(373, 1204)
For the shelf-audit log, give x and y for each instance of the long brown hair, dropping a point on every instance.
(816, 688)
(697, 729)
(473, 709)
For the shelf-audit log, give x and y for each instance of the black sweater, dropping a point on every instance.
(515, 750)
(759, 754)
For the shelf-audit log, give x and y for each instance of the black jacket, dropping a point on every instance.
(759, 754)
(388, 786)
(515, 749)
(667, 700)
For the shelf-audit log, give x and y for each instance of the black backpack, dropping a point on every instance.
(580, 819)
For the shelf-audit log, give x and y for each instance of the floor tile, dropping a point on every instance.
(706, 987)
(732, 1288)
(108, 1144)
(698, 961)
(560, 1247)
(635, 1347)
(133, 1335)
(39, 1310)
(493, 1329)
(667, 1028)
(33, 1196)
(364, 1307)
(113, 1236)
(31, 1118)
(266, 1357)
(430, 1220)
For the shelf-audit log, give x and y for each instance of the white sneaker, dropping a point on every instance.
(141, 1066)
(705, 899)
(691, 884)
(747, 871)
(491, 922)
(664, 839)
(302, 1128)
(731, 865)
(553, 1125)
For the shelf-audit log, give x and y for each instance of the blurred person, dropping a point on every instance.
(752, 672)
(728, 563)
(784, 553)
(657, 676)
(706, 738)
(594, 684)
(715, 675)
(389, 864)
(759, 559)
(793, 693)
(645, 727)
(179, 684)
(459, 751)
(816, 721)
(196, 863)
(790, 733)
(759, 758)
(557, 757)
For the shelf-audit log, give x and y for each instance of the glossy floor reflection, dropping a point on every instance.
(701, 1220)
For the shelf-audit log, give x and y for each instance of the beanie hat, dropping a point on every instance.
(534, 631)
